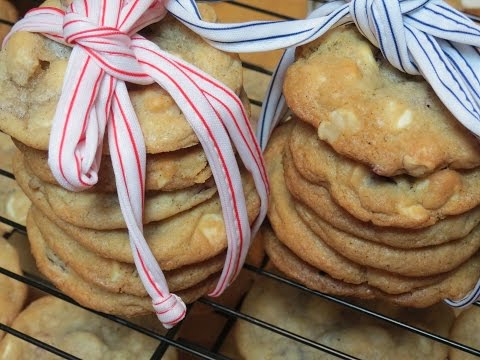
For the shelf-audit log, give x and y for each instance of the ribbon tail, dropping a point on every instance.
(230, 107)
(72, 119)
(274, 103)
(127, 150)
(205, 122)
(231, 113)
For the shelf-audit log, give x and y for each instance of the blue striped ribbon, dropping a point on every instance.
(419, 37)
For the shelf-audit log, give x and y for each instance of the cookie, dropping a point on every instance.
(465, 331)
(27, 263)
(454, 286)
(295, 268)
(311, 248)
(76, 331)
(7, 13)
(113, 275)
(391, 121)
(458, 284)
(101, 211)
(166, 171)
(315, 201)
(187, 238)
(32, 68)
(7, 150)
(335, 326)
(13, 204)
(12, 292)
(426, 261)
(468, 6)
(401, 201)
(92, 296)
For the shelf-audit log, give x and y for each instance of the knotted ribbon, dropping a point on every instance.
(107, 52)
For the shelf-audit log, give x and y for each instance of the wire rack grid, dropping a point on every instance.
(230, 313)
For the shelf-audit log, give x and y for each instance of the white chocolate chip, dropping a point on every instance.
(422, 185)
(404, 120)
(22, 52)
(345, 120)
(17, 206)
(360, 176)
(340, 121)
(328, 132)
(365, 54)
(320, 78)
(212, 228)
(413, 166)
(470, 4)
(392, 106)
(115, 271)
(416, 212)
(397, 115)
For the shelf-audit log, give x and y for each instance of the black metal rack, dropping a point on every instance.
(232, 314)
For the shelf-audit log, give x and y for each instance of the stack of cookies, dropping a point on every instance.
(375, 185)
(79, 240)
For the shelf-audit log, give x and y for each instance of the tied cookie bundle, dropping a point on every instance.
(166, 191)
(374, 180)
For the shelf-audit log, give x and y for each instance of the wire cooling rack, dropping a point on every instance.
(231, 314)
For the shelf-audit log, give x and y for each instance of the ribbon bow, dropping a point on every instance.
(106, 53)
